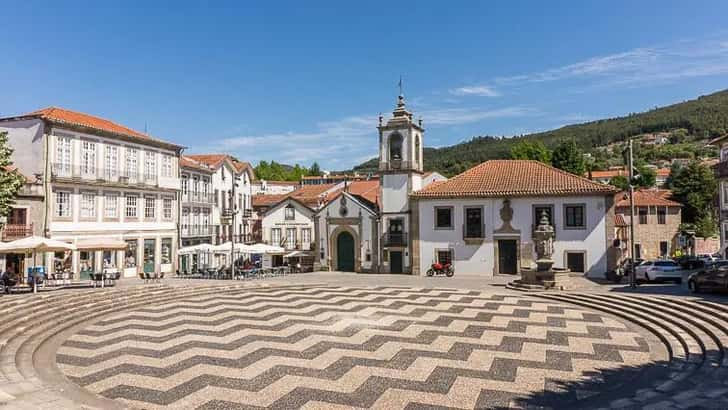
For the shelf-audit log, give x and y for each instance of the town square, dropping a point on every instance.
(224, 206)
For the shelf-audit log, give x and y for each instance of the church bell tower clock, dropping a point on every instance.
(400, 173)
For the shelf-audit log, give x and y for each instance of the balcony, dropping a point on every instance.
(75, 173)
(196, 230)
(394, 239)
(11, 232)
(198, 197)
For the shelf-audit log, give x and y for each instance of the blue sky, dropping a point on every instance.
(304, 81)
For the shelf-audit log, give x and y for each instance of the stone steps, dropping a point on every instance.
(18, 375)
(695, 332)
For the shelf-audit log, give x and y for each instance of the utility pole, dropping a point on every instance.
(632, 251)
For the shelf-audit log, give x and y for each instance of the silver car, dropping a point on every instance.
(660, 269)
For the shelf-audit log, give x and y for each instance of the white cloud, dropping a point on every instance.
(640, 66)
(455, 116)
(476, 90)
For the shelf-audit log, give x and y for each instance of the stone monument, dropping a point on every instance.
(545, 276)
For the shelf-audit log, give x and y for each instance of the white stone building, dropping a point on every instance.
(101, 181)
(289, 224)
(263, 187)
(197, 199)
(228, 171)
(483, 219)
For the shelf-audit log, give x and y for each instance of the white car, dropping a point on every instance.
(658, 270)
(707, 257)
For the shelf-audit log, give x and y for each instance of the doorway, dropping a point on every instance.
(507, 256)
(395, 261)
(345, 252)
(575, 261)
(149, 260)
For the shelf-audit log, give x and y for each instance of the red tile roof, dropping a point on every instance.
(216, 160)
(501, 178)
(646, 197)
(63, 116)
(311, 195)
(283, 183)
(186, 162)
(267, 200)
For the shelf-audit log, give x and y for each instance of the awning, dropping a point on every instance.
(101, 243)
(297, 254)
(201, 248)
(35, 244)
(269, 249)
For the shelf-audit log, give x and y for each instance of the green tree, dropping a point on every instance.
(646, 178)
(315, 170)
(533, 150)
(568, 157)
(620, 181)
(10, 181)
(695, 186)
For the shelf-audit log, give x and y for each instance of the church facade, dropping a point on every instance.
(482, 220)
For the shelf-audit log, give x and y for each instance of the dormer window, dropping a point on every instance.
(290, 213)
(395, 147)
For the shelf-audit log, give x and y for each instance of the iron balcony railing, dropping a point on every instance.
(198, 197)
(62, 171)
(394, 239)
(11, 232)
(196, 230)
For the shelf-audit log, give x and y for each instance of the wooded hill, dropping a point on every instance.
(704, 117)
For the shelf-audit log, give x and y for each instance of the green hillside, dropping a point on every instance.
(704, 117)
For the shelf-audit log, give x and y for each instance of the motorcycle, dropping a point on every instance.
(440, 269)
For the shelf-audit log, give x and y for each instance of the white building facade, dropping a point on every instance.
(289, 224)
(101, 181)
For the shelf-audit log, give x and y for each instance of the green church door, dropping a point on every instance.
(345, 252)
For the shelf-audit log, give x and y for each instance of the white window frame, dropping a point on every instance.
(132, 164)
(131, 203)
(88, 158)
(166, 165)
(167, 206)
(111, 162)
(150, 165)
(64, 155)
(150, 212)
(63, 208)
(87, 203)
(111, 205)
(306, 235)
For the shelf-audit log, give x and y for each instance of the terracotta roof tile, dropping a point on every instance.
(216, 160)
(186, 162)
(646, 197)
(64, 116)
(267, 200)
(500, 178)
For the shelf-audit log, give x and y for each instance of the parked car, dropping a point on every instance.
(707, 257)
(661, 269)
(713, 279)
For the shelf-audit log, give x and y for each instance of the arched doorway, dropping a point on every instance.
(345, 252)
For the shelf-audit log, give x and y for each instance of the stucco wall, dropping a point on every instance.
(360, 221)
(479, 258)
(26, 138)
(276, 218)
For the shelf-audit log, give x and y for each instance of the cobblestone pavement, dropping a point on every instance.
(359, 341)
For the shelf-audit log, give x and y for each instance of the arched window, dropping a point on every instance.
(395, 147)
(417, 149)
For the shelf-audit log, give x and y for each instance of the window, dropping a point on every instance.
(88, 158)
(166, 256)
(395, 147)
(111, 162)
(306, 235)
(661, 215)
(185, 183)
(725, 192)
(637, 251)
(150, 165)
(166, 165)
(63, 155)
(131, 206)
(290, 238)
(195, 184)
(444, 256)
(111, 206)
(132, 164)
(130, 255)
(538, 211)
(167, 208)
(185, 218)
(417, 149)
(275, 236)
(290, 213)
(474, 222)
(63, 204)
(88, 205)
(206, 220)
(663, 248)
(574, 216)
(443, 217)
(642, 215)
(150, 204)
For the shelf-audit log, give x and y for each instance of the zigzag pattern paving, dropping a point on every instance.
(348, 347)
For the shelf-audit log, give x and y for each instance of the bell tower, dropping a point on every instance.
(400, 173)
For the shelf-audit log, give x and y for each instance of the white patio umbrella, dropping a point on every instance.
(34, 244)
(269, 249)
(188, 250)
(100, 244)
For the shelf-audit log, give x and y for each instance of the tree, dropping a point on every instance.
(568, 157)
(694, 186)
(533, 150)
(646, 178)
(620, 181)
(315, 170)
(10, 180)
